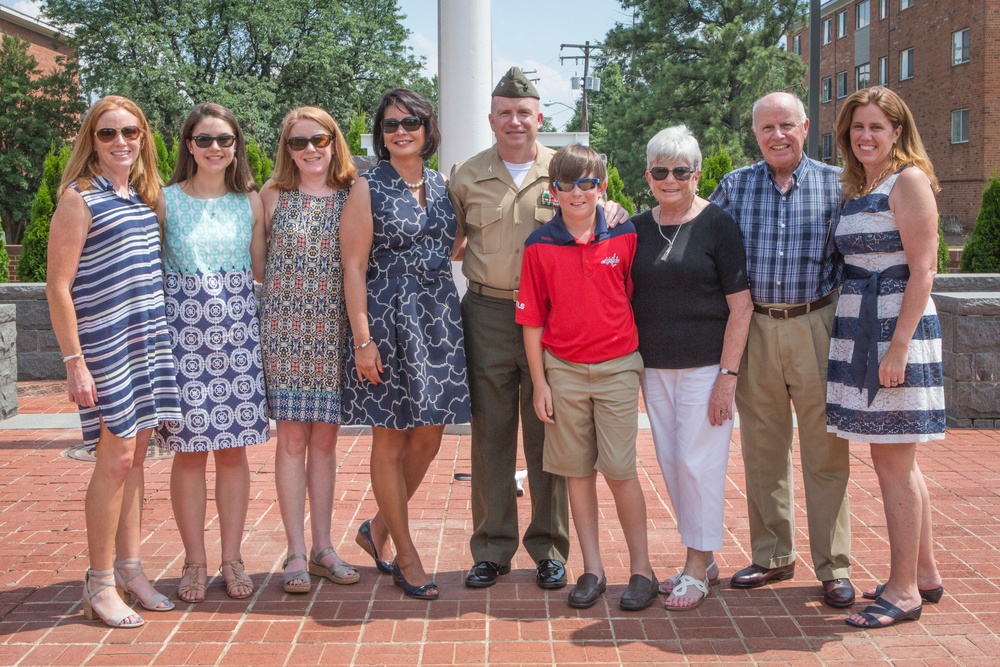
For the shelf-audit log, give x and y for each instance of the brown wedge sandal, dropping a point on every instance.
(339, 573)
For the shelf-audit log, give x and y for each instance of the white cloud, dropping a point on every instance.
(423, 45)
(553, 86)
(26, 7)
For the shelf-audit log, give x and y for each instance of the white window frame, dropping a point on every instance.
(827, 147)
(841, 89)
(906, 68)
(862, 14)
(797, 44)
(827, 31)
(962, 118)
(883, 71)
(842, 24)
(961, 45)
(883, 9)
(858, 84)
(905, 4)
(826, 90)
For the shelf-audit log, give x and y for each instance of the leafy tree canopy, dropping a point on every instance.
(260, 58)
(698, 62)
(36, 112)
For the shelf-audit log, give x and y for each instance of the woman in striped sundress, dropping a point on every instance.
(105, 293)
(885, 380)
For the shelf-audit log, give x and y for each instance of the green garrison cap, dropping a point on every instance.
(515, 84)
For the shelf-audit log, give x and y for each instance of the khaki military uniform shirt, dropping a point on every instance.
(497, 217)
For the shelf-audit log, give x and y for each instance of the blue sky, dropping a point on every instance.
(526, 33)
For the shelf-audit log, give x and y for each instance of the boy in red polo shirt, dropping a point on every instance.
(581, 342)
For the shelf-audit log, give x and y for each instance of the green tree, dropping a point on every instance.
(4, 260)
(616, 190)
(36, 112)
(982, 250)
(713, 167)
(359, 126)
(257, 57)
(702, 63)
(260, 164)
(32, 266)
(944, 256)
(162, 157)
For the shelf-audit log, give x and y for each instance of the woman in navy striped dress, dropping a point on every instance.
(885, 380)
(105, 293)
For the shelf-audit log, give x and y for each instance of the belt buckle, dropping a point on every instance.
(515, 295)
(783, 313)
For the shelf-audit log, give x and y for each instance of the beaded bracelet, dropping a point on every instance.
(72, 356)
(364, 344)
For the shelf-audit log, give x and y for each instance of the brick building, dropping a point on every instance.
(943, 58)
(46, 42)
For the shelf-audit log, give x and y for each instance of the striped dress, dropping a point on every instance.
(869, 239)
(118, 298)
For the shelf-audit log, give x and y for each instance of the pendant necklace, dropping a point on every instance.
(670, 241)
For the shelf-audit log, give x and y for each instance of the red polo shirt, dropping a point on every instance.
(580, 294)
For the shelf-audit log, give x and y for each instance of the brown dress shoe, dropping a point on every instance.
(838, 593)
(756, 575)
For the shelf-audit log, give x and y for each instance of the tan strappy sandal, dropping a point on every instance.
(194, 585)
(239, 579)
(125, 572)
(302, 575)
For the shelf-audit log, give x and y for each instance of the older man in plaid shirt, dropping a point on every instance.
(787, 207)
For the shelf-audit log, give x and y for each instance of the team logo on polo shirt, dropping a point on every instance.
(611, 261)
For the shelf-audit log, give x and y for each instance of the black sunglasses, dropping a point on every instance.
(205, 140)
(107, 134)
(317, 140)
(680, 173)
(583, 183)
(410, 124)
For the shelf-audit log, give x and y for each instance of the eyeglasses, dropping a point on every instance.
(410, 124)
(317, 140)
(107, 134)
(205, 140)
(680, 173)
(583, 183)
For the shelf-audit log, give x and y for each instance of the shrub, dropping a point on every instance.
(982, 250)
(32, 266)
(616, 190)
(943, 255)
(163, 163)
(260, 164)
(713, 168)
(4, 261)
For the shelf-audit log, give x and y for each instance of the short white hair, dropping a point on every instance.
(674, 143)
(801, 108)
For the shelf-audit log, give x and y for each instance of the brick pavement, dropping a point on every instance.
(43, 556)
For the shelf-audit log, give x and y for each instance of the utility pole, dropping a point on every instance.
(586, 47)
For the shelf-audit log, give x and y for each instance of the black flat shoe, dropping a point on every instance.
(365, 541)
(484, 574)
(932, 595)
(416, 592)
(883, 607)
(587, 591)
(551, 574)
(639, 594)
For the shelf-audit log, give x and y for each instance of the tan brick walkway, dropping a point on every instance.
(42, 559)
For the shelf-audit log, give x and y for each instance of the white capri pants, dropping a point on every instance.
(693, 454)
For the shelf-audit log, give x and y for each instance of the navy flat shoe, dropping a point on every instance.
(932, 595)
(365, 541)
(883, 607)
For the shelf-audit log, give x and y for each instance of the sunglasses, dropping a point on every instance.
(583, 183)
(317, 140)
(205, 140)
(107, 134)
(410, 124)
(680, 173)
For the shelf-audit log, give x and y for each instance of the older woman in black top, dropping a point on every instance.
(692, 307)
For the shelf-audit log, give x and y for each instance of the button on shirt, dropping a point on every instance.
(791, 254)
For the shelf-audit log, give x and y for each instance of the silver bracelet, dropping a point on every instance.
(363, 345)
(72, 356)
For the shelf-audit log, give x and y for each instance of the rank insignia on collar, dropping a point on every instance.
(547, 200)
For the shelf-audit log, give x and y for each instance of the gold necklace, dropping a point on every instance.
(875, 183)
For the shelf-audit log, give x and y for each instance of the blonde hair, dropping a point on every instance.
(907, 150)
(83, 164)
(286, 174)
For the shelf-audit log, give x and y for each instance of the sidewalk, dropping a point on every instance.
(43, 557)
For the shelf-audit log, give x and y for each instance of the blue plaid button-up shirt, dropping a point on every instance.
(791, 255)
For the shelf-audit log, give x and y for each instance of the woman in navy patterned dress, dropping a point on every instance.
(105, 292)
(406, 374)
(211, 207)
(885, 379)
(297, 255)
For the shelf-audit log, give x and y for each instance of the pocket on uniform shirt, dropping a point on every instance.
(483, 229)
(543, 214)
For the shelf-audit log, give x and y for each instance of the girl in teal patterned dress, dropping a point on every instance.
(211, 208)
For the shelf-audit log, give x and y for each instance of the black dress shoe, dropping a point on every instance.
(587, 591)
(484, 574)
(639, 594)
(756, 575)
(838, 593)
(551, 574)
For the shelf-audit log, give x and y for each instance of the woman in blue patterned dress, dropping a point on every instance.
(407, 352)
(303, 329)
(105, 292)
(210, 207)
(885, 379)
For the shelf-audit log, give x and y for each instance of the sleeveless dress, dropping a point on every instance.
(413, 309)
(118, 298)
(303, 321)
(212, 314)
(856, 408)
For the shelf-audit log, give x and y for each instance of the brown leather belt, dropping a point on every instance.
(788, 312)
(483, 290)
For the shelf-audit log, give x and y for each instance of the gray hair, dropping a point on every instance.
(798, 105)
(674, 143)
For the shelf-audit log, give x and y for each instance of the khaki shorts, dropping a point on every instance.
(596, 413)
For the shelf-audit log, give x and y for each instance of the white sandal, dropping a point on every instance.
(681, 588)
(668, 584)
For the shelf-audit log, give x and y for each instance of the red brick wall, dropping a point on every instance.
(44, 49)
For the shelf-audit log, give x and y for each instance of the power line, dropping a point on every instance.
(586, 47)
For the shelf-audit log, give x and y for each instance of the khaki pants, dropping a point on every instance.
(501, 388)
(785, 363)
